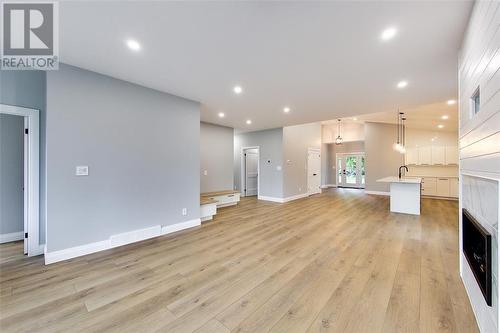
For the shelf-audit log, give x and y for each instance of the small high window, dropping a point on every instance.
(475, 102)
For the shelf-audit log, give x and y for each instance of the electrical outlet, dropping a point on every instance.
(82, 170)
(184, 211)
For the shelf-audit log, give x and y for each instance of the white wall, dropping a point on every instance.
(350, 131)
(270, 143)
(381, 160)
(216, 157)
(142, 147)
(296, 141)
(479, 66)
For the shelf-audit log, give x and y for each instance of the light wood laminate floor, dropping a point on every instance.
(335, 262)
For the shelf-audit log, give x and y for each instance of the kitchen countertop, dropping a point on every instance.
(393, 179)
(429, 176)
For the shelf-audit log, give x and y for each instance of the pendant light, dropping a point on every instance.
(338, 140)
(399, 146)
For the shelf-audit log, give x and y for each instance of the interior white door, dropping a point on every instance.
(351, 170)
(313, 171)
(251, 172)
(25, 186)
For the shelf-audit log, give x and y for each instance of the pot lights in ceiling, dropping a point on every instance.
(445, 117)
(354, 118)
(249, 122)
(286, 109)
(451, 102)
(440, 126)
(133, 45)
(388, 33)
(221, 115)
(402, 84)
(238, 90)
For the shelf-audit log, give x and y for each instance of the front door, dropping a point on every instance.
(351, 170)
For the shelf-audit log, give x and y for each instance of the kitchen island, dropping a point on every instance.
(405, 194)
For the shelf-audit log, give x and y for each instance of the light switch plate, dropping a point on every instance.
(205, 172)
(82, 170)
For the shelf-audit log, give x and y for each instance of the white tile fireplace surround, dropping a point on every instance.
(480, 196)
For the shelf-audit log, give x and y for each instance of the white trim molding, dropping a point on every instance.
(377, 192)
(287, 199)
(118, 240)
(328, 185)
(273, 199)
(32, 174)
(11, 237)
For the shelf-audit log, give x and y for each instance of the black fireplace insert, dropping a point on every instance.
(477, 250)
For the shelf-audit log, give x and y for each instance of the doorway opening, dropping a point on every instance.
(20, 167)
(350, 170)
(250, 169)
(313, 171)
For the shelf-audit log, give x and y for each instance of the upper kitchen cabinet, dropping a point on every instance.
(451, 155)
(424, 156)
(412, 156)
(432, 155)
(438, 155)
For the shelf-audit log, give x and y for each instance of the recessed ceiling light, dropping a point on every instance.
(238, 90)
(445, 117)
(440, 126)
(286, 109)
(249, 122)
(221, 115)
(388, 33)
(354, 118)
(451, 102)
(402, 84)
(133, 45)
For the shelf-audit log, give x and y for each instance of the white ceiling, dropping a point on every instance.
(426, 117)
(323, 59)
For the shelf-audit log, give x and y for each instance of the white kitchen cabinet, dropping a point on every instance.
(438, 155)
(454, 187)
(443, 187)
(424, 156)
(428, 186)
(451, 155)
(412, 156)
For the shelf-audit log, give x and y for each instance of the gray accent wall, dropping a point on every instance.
(29, 89)
(216, 157)
(270, 158)
(142, 149)
(381, 159)
(11, 174)
(296, 141)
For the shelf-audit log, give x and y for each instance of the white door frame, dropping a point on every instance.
(315, 151)
(32, 120)
(242, 170)
(337, 155)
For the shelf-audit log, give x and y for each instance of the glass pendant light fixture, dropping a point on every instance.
(338, 140)
(399, 145)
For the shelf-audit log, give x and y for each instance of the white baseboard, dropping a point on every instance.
(117, 240)
(168, 229)
(377, 192)
(328, 185)
(134, 236)
(298, 196)
(273, 199)
(11, 237)
(287, 199)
